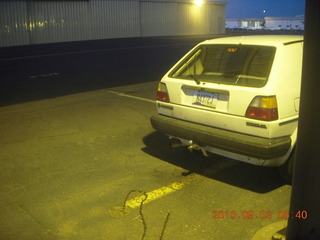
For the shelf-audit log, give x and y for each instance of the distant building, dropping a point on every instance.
(268, 23)
(285, 23)
(233, 23)
(245, 23)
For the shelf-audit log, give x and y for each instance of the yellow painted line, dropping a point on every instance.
(133, 203)
(153, 195)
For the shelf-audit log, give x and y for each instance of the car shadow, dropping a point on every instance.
(250, 177)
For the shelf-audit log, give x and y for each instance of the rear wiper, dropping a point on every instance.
(195, 70)
(195, 79)
(238, 78)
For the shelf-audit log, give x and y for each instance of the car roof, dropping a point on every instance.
(257, 39)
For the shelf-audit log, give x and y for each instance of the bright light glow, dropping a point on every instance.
(198, 2)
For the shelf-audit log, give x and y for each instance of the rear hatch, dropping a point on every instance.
(215, 84)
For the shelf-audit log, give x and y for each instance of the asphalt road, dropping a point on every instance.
(49, 70)
(76, 143)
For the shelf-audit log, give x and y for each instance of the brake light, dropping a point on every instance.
(162, 93)
(263, 108)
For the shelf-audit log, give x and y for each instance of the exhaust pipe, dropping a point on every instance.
(198, 148)
(177, 144)
(184, 143)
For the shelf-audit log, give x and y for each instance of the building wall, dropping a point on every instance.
(294, 23)
(52, 22)
(13, 23)
(217, 19)
(33, 22)
(158, 19)
(114, 19)
(249, 23)
(233, 23)
(271, 23)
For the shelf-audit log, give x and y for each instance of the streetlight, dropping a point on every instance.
(198, 2)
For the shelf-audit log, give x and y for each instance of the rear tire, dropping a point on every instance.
(286, 170)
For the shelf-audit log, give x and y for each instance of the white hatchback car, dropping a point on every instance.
(237, 97)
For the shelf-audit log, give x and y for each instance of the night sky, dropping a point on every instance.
(256, 8)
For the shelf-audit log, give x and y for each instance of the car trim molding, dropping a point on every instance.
(288, 122)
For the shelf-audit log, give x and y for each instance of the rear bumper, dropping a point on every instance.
(251, 146)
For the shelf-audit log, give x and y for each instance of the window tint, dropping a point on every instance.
(227, 64)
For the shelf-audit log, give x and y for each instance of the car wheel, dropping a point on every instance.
(286, 170)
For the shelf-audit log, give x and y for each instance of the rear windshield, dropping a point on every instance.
(227, 64)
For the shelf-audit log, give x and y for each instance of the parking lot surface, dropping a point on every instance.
(80, 160)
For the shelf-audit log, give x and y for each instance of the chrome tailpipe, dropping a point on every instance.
(177, 142)
(198, 148)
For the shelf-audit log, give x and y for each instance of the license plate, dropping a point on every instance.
(206, 99)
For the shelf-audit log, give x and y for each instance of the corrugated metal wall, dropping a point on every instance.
(33, 22)
(13, 23)
(114, 19)
(58, 21)
(217, 15)
(158, 19)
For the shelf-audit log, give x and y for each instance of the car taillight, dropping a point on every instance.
(162, 93)
(263, 108)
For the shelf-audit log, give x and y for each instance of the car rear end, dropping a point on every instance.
(222, 97)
